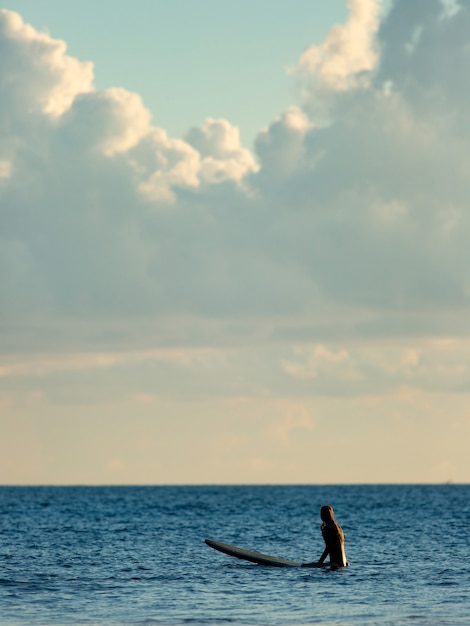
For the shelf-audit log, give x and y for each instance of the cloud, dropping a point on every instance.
(281, 147)
(5, 169)
(104, 216)
(424, 57)
(83, 177)
(163, 164)
(36, 73)
(43, 365)
(320, 358)
(368, 369)
(379, 202)
(111, 121)
(349, 52)
(223, 158)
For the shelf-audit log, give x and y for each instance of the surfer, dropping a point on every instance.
(334, 540)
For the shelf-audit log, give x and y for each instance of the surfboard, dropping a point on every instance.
(251, 555)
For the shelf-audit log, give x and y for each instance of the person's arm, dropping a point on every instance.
(318, 563)
(324, 555)
(324, 532)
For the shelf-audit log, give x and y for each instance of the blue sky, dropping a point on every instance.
(234, 242)
(187, 58)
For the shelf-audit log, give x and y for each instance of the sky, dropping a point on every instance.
(234, 242)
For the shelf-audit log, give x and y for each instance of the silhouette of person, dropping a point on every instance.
(334, 540)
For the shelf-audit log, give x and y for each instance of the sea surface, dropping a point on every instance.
(136, 555)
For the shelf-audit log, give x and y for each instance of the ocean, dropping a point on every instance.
(136, 555)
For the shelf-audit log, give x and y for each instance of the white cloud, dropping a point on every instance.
(349, 51)
(36, 71)
(162, 164)
(209, 155)
(111, 121)
(222, 156)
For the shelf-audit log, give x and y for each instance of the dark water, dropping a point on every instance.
(135, 555)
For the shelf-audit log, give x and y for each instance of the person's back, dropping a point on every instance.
(334, 538)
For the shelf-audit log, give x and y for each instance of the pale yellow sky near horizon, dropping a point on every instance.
(96, 426)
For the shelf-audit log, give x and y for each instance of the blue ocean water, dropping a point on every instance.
(135, 555)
